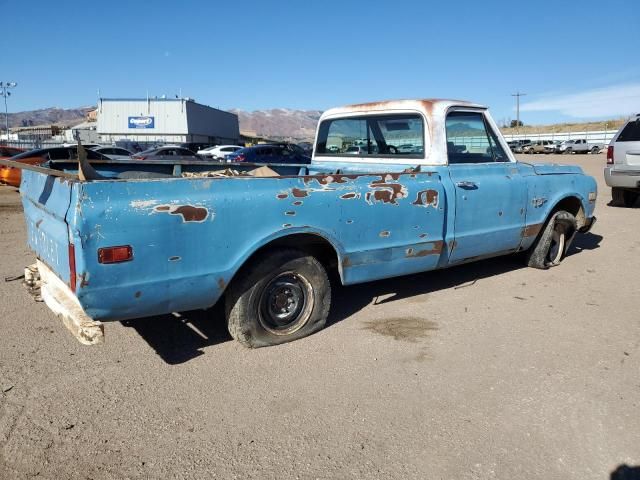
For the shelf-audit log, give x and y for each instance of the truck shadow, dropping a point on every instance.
(181, 337)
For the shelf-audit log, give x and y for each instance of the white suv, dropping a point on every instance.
(622, 172)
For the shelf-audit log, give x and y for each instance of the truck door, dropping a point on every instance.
(490, 194)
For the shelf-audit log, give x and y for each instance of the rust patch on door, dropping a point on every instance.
(282, 196)
(299, 193)
(427, 198)
(385, 233)
(290, 213)
(189, 213)
(297, 204)
(531, 230)
(346, 262)
(221, 283)
(435, 249)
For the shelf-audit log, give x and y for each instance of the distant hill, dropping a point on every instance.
(46, 116)
(280, 123)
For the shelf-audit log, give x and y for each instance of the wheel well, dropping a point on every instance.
(314, 245)
(573, 205)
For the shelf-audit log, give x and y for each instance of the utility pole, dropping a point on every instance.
(4, 92)
(518, 95)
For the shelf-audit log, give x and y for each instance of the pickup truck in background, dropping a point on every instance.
(124, 239)
(579, 146)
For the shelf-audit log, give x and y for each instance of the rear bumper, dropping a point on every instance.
(59, 298)
(622, 178)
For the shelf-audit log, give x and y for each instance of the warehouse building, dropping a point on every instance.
(164, 120)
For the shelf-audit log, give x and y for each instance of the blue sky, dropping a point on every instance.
(575, 60)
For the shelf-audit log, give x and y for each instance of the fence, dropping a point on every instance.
(596, 136)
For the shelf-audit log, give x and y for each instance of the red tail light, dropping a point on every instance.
(610, 155)
(138, 157)
(239, 158)
(72, 267)
(122, 253)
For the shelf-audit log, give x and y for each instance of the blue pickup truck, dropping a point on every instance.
(431, 184)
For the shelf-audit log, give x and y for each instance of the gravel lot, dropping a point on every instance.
(490, 370)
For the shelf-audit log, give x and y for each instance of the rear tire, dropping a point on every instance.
(551, 246)
(594, 150)
(623, 198)
(568, 151)
(282, 296)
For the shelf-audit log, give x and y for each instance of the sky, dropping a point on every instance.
(575, 61)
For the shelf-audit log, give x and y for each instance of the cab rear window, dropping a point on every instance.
(630, 133)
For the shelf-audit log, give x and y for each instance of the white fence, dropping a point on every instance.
(594, 136)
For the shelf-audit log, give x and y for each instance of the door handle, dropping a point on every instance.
(467, 185)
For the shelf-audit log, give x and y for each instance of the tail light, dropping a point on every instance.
(139, 157)
(610, 155)
(119, 254)
(238, 158)
(72, 267)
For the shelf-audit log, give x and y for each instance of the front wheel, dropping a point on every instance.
(283, 296)
(551, 246)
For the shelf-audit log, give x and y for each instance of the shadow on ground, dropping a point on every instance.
(182, 337)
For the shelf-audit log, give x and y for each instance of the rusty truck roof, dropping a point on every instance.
(427, 105)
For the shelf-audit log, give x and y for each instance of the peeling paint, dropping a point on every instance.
(436, 249)
(142, 203)
(290, 213)
(385, 233)
(350, 195)
(298, 203)
(531, 230)
(189, 213)
(385, 192)
(299, 193)
(221, 283)
(282, 196)
(427, 198)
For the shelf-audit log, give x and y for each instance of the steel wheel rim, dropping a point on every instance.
(556, 248)
(285, 303)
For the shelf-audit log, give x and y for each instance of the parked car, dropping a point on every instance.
(553, 146)
(520, 145)
(579, 146)
(268, 246)
(219, 152)
(270, 153)
(6, 152)
(114, 153)
(194, 147)
(622, 172)
(85, 145)
(170, 152)
(11, 175)
(539, 146)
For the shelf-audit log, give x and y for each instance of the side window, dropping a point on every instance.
(467, 138)
(380, 135)
(62, 154)
(498, 152)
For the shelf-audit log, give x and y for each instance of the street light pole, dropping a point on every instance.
(518, 95)
(4, 91)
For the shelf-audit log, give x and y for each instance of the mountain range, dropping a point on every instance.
(277, 123)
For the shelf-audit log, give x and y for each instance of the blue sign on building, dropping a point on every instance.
(141, 122)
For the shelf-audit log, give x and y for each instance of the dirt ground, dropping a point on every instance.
(490, 370)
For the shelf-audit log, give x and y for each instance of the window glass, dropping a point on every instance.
(395, 135)
(467, 139)
(630, 132)
(62, 153)
(498, 152)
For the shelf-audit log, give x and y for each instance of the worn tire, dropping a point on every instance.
(253, 298)
(623, 198)
(552, 244)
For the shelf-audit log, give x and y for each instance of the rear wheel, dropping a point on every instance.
(551, 246)
(284, 295)
(595, 150)
(568, 151)
(623, 198)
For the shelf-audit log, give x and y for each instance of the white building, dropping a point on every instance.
(166, 120)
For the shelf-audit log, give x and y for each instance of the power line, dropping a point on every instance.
(518, 95)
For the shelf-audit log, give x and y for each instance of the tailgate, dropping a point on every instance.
(46, 200)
